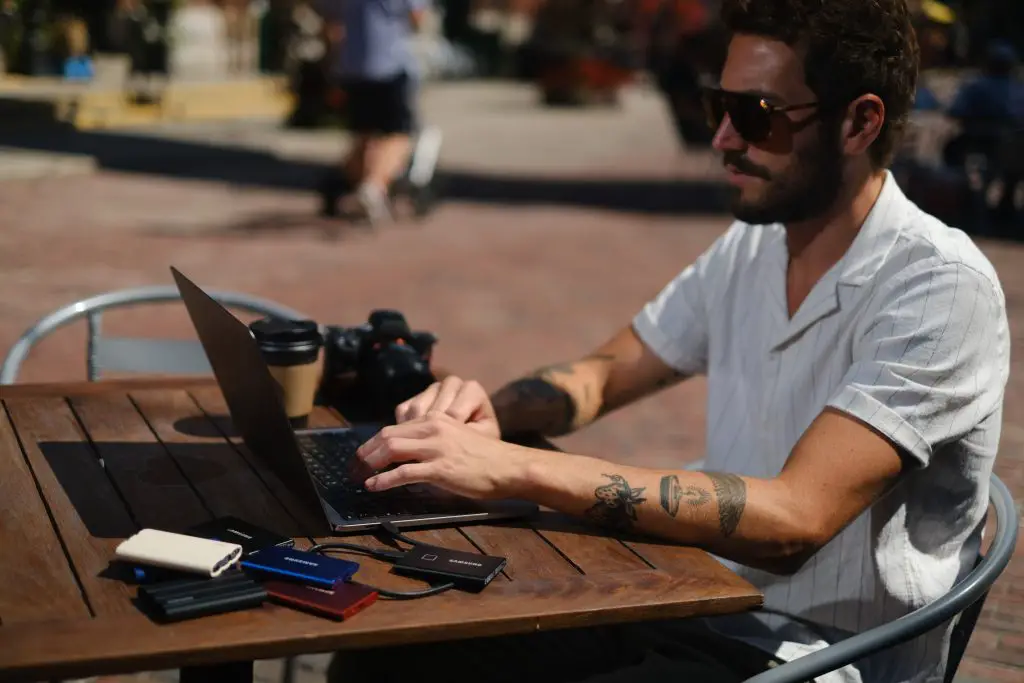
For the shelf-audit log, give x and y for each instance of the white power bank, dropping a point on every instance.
(178, 551)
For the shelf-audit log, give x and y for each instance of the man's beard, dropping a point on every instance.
(805, 190)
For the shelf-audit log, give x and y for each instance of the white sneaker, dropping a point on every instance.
(374, 203)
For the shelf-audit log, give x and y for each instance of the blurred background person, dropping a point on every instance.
(10, 30)
(78, 64)
(305, 62)
(990, 112)
(371, 58)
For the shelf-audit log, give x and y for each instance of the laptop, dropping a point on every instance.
(316, 464)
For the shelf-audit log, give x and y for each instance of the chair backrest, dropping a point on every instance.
(133, 354)
(964, 599)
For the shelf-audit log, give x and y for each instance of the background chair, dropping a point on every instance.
(133, 354)
(965, 599)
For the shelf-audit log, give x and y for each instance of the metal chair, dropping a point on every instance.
(965, 599)
(133, 354)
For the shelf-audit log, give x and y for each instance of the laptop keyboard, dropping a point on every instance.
(331, 460)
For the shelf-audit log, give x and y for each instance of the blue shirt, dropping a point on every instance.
(990, 100)
(78, 69)
(925, 100)
(377, 36)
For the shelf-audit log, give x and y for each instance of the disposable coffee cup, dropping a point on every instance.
(291, 349)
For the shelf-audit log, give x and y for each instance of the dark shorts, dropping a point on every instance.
(381, 107)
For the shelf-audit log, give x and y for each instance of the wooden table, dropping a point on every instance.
(83, 466)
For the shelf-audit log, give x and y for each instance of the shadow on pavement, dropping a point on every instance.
(149, 154)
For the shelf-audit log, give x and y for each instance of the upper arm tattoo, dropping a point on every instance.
(672, 493)
(616, 504)
(731, 492)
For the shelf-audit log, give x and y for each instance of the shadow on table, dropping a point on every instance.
(151, 154)
(118, 487)
(207, 426)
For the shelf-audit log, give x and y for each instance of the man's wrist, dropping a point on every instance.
(521, 476)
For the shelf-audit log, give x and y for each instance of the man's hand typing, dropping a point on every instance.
(463, 401)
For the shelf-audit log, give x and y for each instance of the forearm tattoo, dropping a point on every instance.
(616, 504)
(533, 401)
(672, 494)
(541, 402)
(731, 492)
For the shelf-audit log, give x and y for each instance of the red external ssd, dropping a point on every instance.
(342, 602)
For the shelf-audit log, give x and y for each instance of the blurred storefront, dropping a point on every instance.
(222, 37)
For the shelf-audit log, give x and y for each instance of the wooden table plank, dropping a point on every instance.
(529, 555)
(59, 650)
(36, 582)
(157, 493)
(677, 559)
(89, 515)
(585, 547)
(225, 482)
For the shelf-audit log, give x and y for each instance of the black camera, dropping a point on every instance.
(385, 361)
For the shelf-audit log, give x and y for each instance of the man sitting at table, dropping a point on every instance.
(856, 351)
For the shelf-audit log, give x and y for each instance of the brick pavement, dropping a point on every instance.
(506, 287)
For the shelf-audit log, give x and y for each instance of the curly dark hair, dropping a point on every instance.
(851, 48)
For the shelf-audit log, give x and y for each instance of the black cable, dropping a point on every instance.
(398, 535)
(398, 595)
(389, 556)
(379, 553)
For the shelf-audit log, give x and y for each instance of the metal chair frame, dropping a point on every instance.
(133, 354)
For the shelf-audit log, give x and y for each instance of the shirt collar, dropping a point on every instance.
(878, 234)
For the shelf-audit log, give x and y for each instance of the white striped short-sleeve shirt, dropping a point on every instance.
(907, 333)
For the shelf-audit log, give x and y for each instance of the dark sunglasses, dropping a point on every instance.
(750, 114)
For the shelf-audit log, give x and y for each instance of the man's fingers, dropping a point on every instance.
(412, 473)
(406, 432)
(418, 405)
(468, 403)
(396, 449)
(450, 388)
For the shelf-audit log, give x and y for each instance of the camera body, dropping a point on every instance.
(383, 361)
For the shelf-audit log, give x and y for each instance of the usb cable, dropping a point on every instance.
(387, 556)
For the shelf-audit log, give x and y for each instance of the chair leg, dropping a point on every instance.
(288, 674)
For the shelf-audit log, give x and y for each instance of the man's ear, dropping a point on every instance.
(863, 124)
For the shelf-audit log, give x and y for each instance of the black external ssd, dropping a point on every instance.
(190, 598)
(233, 530)
(468, 571)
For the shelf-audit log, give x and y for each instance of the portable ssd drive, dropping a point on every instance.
(468, 571)
(233, 530)
(178, 551)
(341, 602)
(190, 598)
(298, 565)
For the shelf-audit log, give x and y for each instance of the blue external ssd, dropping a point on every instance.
(298, 565)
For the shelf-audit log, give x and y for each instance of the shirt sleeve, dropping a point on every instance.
(674, 325)
(931, 358)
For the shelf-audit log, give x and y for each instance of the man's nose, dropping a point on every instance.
(727, 138)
